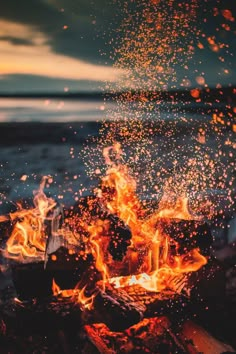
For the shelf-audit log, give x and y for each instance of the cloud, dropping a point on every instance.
(15, 40)
(39, 58)
(88, 24)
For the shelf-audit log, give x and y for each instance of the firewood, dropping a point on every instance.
(31, 280)
(208, 284)
(204, 288)
(198, 340)
(117, 309)
(40, 316)
(155, 335)
(188, 234)
(148, 336)
(90, 209)
(68, 269)
(114, 307)
(97, 341)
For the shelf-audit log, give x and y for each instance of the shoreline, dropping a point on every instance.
(12, 133)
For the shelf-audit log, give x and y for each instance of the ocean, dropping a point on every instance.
(51, 110)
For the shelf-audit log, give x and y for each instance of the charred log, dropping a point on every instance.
(148, 336)
(189, 234)
(40, 326)
(155, 335)
(31, 280)
(89, 208)
(116, 308)
(68, 269)
(196, 339)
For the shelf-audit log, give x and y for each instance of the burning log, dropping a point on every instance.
(117, 309)
(114, 307)
(148, 336)
(70, 249)
(155, 335)
(31, 280)
(188, 234)
(40, 316)
(195, 294)
(68, 269)
(89, 209)
(198, 340)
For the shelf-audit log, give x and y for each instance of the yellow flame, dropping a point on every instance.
(150, 251)
(149, 262)
(28, 240)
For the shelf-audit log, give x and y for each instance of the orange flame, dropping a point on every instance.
(86, 302)
(27, 241)
(65, 293)
(149, 258)
(77, 295)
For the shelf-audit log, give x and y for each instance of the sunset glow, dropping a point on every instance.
(35, 57)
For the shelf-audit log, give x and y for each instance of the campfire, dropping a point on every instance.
(112, 262)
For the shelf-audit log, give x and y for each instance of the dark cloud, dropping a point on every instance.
(16, 41)
(87, 34)
(32, 12)
(91, 26)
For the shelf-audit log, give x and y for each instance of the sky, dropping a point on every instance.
(69, 45)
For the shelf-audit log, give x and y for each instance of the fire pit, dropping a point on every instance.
(109, 276)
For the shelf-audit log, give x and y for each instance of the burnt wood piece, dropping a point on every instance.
(155, 335)
(40, 318)
(197, 340)
(197, 293)
(116, 308)
(31, 280)
(189, 234)
(152, 335)
(148, 336)
(37, 327)
(208, 303)
(120, 236)
(69, 269)
(90, 208)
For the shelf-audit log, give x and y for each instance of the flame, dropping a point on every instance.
(63, 293)
(27, 241)
(55, 288)
(76, 295)
(150, 259)
(86, 302)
